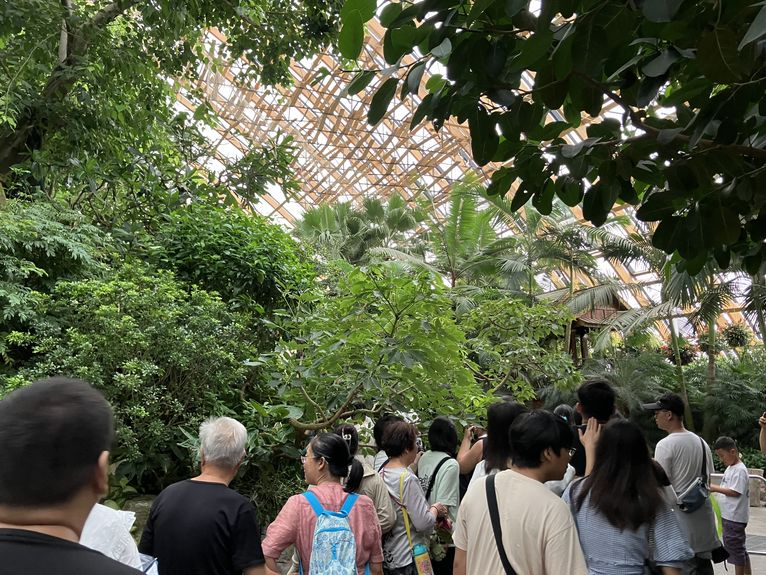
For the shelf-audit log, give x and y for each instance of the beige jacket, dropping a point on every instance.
(373, 487)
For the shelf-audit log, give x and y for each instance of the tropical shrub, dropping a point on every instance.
(382, 340)
(515, 345)
(165, 356)
(40, 244)
(242, 256)
(737, 335)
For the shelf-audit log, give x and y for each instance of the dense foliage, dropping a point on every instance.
(86, 110)
(383, 340)
(165, 356)
(687, 144)
(241, 256)
(518, 345)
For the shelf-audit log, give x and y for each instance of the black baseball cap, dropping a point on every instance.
(670, 401)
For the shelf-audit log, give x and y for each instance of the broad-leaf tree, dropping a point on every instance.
(687, 141)
(90, 85)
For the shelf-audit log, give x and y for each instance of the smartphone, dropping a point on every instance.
(419, 444)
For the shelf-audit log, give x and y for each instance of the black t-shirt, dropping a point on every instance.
(28, 553)
(200, 528)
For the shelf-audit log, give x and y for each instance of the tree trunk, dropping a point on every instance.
(707, 425)
(758, 280)
(680, 379)
(568, 333)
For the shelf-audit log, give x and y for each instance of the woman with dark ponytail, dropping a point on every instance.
(371, 485)
(326, 465)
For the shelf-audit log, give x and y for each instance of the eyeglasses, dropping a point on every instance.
(305, 458)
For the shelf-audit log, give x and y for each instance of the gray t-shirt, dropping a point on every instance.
(680, 455)
(396, 546)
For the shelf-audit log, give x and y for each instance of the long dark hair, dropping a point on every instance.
(622, 486)
(497, 449)
(335, 452)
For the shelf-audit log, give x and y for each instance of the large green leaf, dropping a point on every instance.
(598, 201)
(660, 10)
(381, 100)
(533, 49)
(658, 206)
(756, 29)
(659, 65)
(360, 82)
(351, 36)
(718, 56)
(365, 9)
(390, 13)
(414, 77)
(484, 137)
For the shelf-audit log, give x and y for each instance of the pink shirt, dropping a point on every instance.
(295, 525)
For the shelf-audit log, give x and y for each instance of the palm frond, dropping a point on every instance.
(403, 257)
(631, 320)
(712, 303)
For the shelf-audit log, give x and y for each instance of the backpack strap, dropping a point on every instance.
(494, 516)
(314, 502)
(432, 481)
(349, 503)
(382, 465)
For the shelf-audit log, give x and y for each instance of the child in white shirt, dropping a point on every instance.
(734, 500)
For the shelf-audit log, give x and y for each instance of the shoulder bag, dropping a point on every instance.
(419, 552)
(698, 492)
(494, 516)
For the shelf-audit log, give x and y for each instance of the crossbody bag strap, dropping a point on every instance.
(703, 471)
(494, 516)
(432, 481)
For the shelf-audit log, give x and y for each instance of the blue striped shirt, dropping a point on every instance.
(609, 551)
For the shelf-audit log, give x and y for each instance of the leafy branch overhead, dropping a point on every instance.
(683, 82)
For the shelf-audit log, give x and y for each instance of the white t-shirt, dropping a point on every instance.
(735, 508)
(539, 534)
(108, 530)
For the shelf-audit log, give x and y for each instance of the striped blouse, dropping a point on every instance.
(609, 551)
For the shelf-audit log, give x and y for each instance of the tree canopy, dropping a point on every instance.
(88, 87)
(686, 142)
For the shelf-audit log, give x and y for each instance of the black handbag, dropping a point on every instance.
(719, 555)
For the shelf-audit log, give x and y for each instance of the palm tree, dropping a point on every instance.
(706, 293)
(342, 231)
(457, 245)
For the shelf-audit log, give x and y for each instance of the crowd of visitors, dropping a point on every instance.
(572, 492)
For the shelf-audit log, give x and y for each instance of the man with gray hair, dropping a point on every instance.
(200, 526)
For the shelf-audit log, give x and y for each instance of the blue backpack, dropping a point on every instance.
(333, 549)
